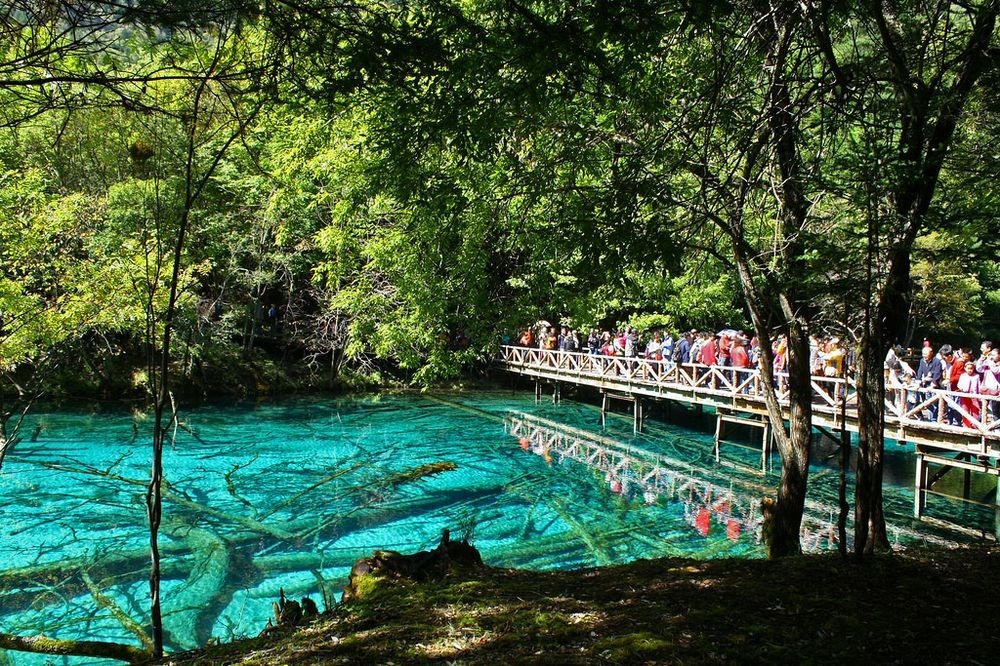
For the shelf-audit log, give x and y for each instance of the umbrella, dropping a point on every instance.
(727, 332)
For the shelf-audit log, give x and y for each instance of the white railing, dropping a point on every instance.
(905, 405)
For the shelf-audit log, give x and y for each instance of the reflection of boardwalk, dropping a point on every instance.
(636, 473)
(737, 394)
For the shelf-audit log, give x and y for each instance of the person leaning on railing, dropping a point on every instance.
(969, 382)
(989, 371)
(929, 377)
(952, 369)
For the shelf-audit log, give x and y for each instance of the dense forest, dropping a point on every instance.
(390, 177)
(221, 196)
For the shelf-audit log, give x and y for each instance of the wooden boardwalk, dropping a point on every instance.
(736, 396)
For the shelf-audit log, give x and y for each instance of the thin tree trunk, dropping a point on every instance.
(869, 519)
(787, 515)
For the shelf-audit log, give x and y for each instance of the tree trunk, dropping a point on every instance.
(786, 517)
(869, 519)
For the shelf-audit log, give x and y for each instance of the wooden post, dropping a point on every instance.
(920, 483)
(637, 408)
(765, 452)
(604, 406)
(996, 512)
(555, 393)
(538, 391)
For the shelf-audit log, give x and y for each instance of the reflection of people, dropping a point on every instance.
(703, 521)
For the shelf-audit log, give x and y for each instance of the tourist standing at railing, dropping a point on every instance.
(619, 343)
(527, 338)
(815, 356)
(607, 347)
(929, 377)
(594, 342)
(630, 342)
(779, 348)
(989, 370)
(952, 369)
(551, 340)
(725, 345)
(684, 348)
(668, 348)
(969, 382)
(740, 361)
(779, 356)
(985, 350)
(897, 371)
(833, 358)
(738, 354)
(654, 348)
(709, 353)
(570, 341)
(694, 356)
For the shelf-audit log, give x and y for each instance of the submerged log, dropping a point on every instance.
(193, 609)
(45, 645)
(426, 564)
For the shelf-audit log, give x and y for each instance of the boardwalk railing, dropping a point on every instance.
(930, 416)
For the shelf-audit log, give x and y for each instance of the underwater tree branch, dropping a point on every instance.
(45, 645)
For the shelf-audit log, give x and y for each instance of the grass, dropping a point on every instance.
(918, 606)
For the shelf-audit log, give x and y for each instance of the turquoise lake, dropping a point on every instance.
(288, 495)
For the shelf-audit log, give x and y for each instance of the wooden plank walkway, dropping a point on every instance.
(736, 394)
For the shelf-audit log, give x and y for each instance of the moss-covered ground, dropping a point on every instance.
(913, 607)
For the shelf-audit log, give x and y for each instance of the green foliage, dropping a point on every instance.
(422, 177)
(948, 300)
(651, 322)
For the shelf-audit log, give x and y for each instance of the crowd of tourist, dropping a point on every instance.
(950, 368)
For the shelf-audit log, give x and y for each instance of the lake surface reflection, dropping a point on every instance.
(289, 495)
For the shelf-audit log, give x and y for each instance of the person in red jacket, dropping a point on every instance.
(740, 360)
(738, 354)
(725, 344)
(707, 354)
(954, 368)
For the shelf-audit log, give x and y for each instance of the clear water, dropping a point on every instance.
(289, 495)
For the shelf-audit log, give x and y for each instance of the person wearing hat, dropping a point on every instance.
(833, 359)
